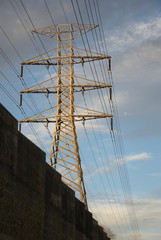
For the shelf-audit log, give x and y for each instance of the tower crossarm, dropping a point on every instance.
(77, 88)
(80, 85)
(80, 114)
(80, 56)
(75, 29)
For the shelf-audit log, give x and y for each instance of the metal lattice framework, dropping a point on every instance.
(64, 154)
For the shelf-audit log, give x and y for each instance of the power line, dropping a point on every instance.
(113, 134)
(96, 36)
(22, 81)
(115, 139)
(66, 19)
(117, 114)
(86, 39)
(22, 112)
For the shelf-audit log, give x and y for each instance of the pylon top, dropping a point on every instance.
(76, 29)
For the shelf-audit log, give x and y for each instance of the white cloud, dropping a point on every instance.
(122, 97)
(135, 157)
(32, 137)
(127, 114)
(90, 126)
(101, 171)
(154, 174)
(115, 216)
(42, 132)
(135, 34)
(138, 157)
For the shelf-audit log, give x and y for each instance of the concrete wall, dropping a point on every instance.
(34, 203)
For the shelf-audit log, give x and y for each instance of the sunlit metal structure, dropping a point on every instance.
(64, 154)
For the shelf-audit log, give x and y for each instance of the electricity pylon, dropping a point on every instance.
(64, 154)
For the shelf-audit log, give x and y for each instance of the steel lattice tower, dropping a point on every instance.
(64, 154)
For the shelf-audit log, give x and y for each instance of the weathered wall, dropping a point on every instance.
(34, 203)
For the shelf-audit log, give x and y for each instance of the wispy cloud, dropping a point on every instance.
(138, 157)
(154, 174)
(101, 171)
(148, 216)
(42, 132)
(135, 157)
(135, 34)
(115, 163)
(93, 126)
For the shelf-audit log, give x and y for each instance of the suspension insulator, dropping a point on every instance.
(19, 127)
(48, 64)
(110, 94)
(83, 121)
(109, 61)
(21, 100)
(47, 93)
(82, 62)
(83, 91)
(21, 71)
(111, 124)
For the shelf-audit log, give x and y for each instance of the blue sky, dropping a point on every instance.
(133, 37)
